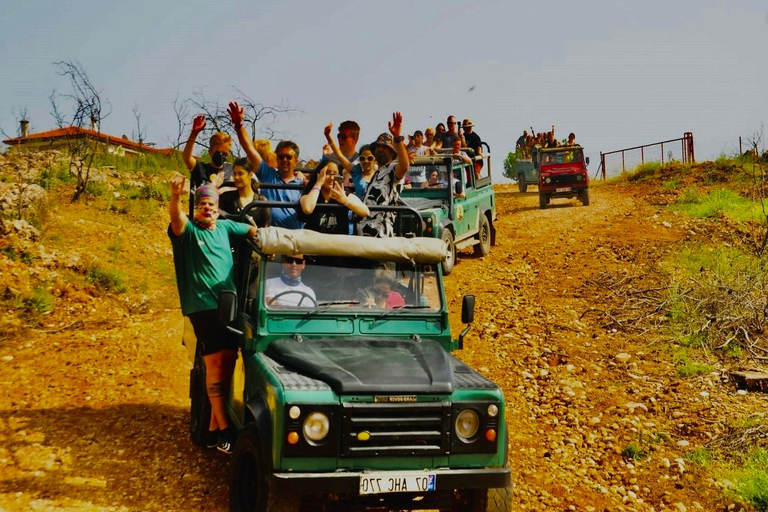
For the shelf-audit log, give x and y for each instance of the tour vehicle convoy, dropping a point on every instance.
(460, 220)
(562, 174)
(346, 394)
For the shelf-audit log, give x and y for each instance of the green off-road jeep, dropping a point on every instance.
(350, 398)
(435, 191)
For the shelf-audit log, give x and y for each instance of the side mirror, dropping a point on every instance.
(468, 309)
(227, 306)
(467, 316)
(587, 160)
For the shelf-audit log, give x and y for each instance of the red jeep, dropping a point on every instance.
(562, 173)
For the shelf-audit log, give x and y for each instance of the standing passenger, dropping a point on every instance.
(382, 190)
(203, 262)
(287, 153)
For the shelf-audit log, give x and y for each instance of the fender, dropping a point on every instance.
(486, 210)
(259, 412)
(445, 224)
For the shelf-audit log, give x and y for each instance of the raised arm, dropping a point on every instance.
(308, 201)
(403, 162)
(351, 201)
(236, 115)
(198, 124)
(178, 217)
(344, 161)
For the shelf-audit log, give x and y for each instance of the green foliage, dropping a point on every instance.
(717, 202)
(57, 174)
(41, 300)
(155, 190)
(509, 165)
(670, 185)
(644, 171)
(691, 369)
(108, 279)
(700, 457)
(715, 301)
(634, 451)
(96, 188)
(751, 479)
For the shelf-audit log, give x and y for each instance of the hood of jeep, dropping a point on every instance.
(424, 203)
(369, 366)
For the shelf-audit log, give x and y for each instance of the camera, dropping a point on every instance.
(339, 179)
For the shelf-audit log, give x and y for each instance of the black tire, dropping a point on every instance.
(543, 200)
(249, 489)
(450, 261)
(483, 247)
(484, 500)
(521, 184)
(199, 405)
(584, 197)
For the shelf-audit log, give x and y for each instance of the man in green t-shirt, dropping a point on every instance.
(203, 261)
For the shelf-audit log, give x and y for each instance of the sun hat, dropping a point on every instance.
(386, 140)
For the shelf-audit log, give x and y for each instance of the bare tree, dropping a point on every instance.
(181, 109)
(19, 114)
(760, 181)
(255, 115)
(140, 135)
(87, 111)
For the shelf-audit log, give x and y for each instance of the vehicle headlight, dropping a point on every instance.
(493, 410)
(547, 180)
(316, 426)
(467, 424)
(579, 177)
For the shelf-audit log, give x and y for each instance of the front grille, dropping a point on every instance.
(565, 179)
(396, 429)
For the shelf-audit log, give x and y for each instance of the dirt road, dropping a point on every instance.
(93, 415)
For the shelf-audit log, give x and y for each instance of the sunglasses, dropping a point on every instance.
(291, 259)
(451, 122)
(367, 158)
(284, 157)
(344, 136)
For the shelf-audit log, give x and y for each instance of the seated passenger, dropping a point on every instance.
(435, 181)
(458, 153)
(288, 290)
(330, 191)
(234, 201)
(382, 294)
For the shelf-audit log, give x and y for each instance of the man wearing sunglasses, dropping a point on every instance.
(392, 157)
(287, 153)
(288, 290)
(447, 138)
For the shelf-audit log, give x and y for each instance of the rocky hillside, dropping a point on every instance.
(613, 404)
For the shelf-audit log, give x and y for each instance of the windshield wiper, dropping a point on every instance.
(399, 309)
(325, 306)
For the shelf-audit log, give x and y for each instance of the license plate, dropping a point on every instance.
(564, 189)
(377, 483)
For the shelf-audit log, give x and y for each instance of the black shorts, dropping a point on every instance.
(212, 335)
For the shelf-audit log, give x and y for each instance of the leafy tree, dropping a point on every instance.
(510, 164)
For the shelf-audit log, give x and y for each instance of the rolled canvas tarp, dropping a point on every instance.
(300, 241)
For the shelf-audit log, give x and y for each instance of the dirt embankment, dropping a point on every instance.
(94, 408)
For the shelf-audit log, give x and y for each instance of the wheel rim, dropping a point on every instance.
(484, 235)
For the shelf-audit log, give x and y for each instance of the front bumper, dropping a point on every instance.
(349, 481)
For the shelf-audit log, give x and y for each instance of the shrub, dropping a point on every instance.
(634, 451)
(110, 280)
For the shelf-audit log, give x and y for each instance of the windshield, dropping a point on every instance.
(312, 282)
(562, 157)
(427, 177)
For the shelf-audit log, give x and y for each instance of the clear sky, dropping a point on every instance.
(617, 74)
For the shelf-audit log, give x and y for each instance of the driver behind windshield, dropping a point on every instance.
(288, 290)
